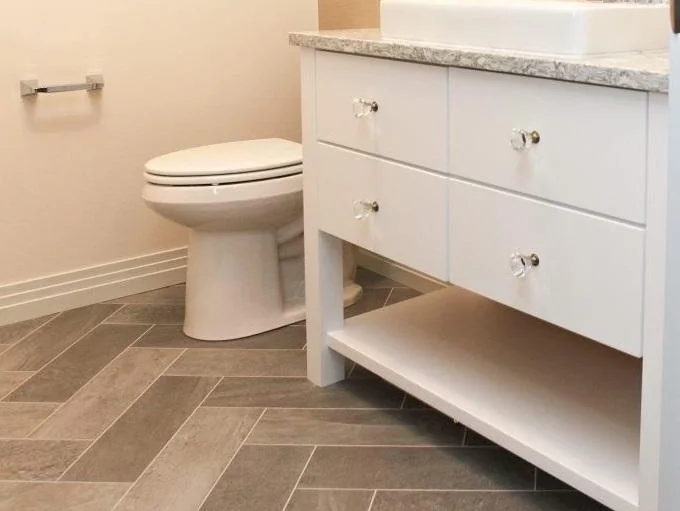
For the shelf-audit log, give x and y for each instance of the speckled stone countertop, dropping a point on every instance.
(646, 71)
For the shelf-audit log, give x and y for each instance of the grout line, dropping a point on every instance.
(226, 467)
(370, 504)
(389, 295)
(535, 478)
(31, 332)
(94, 441)
(61, 405)
(165, 446)
(3, 396)
(403, 402)
(297, 483)
(465, 435)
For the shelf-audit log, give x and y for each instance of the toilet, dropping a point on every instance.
(243, 203)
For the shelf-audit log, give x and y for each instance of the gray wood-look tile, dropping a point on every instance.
(171, 295)
(171, 336)
(131, 443)
(17, 420)
(401, 294)
(484, 501)
(474, 439)
(60, 496)
(37, 460)
(371, 280)
(241, 363)
(4, 347)
(67, 373)
(545, 481)
(421, 468)
(149, 314)
(258, 479)
(356, 427)
(370, 300)
(11, 380)
(300, 393)
(97, 405)
(330, 500)
(181, 477)
(9, 334)
(412, 403)
(40, 347)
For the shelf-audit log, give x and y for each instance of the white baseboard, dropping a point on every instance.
(55, 293)
(397, 272)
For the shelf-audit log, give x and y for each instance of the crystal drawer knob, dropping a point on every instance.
(363, 107)
(362, 209)
(521, 264)
(523, 139)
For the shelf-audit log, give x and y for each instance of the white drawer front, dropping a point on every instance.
(410, 124)
(591, 152)
(410, 225)
(590, 271)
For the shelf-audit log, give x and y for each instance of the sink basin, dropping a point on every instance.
(563, 27)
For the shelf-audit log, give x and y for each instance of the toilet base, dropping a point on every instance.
(233, 286)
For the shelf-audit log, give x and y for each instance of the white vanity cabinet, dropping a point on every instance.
(543, 204)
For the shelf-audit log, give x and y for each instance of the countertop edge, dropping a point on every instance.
(539, 66)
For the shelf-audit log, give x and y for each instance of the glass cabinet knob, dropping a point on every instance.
(362, 208)
(363, 107)
(522, 139)
(521, 264)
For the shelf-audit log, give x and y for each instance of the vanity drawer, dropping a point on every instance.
(591, 152)
(410, 123)
(410, 224)
(590, 269)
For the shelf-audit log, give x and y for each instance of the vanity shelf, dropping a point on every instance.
(567, 404)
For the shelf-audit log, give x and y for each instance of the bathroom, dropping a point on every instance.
(107, 404)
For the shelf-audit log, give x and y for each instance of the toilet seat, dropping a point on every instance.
(227, 163)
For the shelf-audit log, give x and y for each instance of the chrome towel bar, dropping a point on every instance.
(32, 87)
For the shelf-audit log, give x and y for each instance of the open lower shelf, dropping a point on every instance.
(563, 402)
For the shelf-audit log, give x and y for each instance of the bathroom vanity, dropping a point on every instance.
(537, 188)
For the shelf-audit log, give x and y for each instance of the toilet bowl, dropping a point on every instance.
(243, 204)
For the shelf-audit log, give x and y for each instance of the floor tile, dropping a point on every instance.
(148, 314)
(17, 420)
(330, 500)
(358, 372)
(60, 496)
(370, 300)
(171, 295)
(4, 347)
(356, 427)
(258, 479)
(9, 334)
(37, 460)
(241, 363)
(484, 501)
(417, 468)
(171, 336)
(125, 449)
(474, 439)
(181, 477)
(97, 405)
(40, 347)
(300, 393)
(401, 294)
(412, 403)
(11, 380)
(371, 280)
(545, 481)
(62, 377)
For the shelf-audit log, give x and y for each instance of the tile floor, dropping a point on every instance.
(111, 407)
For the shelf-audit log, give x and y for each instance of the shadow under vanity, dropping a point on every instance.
(542, 199)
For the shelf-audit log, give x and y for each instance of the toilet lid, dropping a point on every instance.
(223, 179)
(228, 158)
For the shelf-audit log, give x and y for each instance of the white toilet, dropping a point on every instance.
(243, 203)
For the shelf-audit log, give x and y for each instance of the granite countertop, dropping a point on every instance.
(646, 71)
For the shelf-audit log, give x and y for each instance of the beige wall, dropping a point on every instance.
(178, 73)
(349, 14)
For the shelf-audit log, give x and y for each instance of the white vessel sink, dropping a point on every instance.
(564, 27)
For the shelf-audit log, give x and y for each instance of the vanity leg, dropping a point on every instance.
(324, 293)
